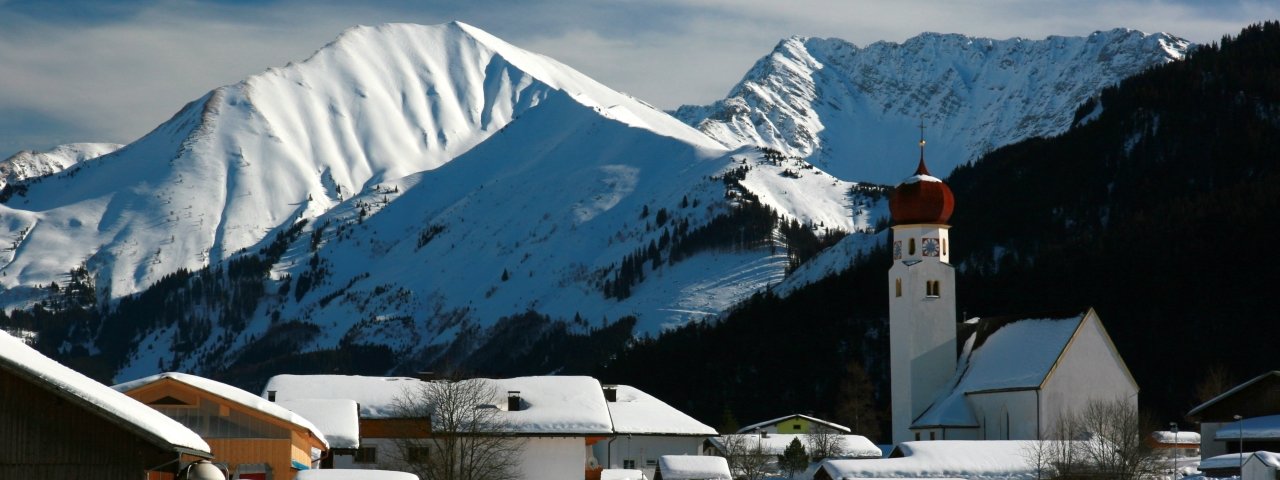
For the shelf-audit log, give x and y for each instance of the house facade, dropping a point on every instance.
(794, 424)
(58, 423)
(250, 437)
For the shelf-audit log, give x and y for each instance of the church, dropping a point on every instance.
(998, 378)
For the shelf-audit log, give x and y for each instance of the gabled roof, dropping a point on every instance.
(230, 394)
(1005, 353)
(639, 413)
(164, 432)
(1231, 392)
(1270, 459)
(836, 426)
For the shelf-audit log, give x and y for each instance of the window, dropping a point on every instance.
(897, 288)
(366, 455)
(944, 246)
(795, 427)
(933, 288)
(917, 436)
(932, 435)
(629, 464)
(911, 247)
(417, 454)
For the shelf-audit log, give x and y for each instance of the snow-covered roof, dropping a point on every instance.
(749, 428)
(921, 178)
(375, 395)
(621, 474)
(353, 474)
(336, 418)
(1270, 459)
(638, 413)
(855, 446)
(1230, 460)
(1180, 438)
(1254, 428)
(552, 404)
(971, 459)
(1233, 391)
(1011, 353)
(230, 393)
(27, 363)
(694, 467)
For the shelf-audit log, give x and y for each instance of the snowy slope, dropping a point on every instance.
(854, 111)
(377, 104)
(29, 164)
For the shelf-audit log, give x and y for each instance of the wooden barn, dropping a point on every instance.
(252, 437)
(58, 423)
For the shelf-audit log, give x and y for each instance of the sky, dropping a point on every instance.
(97, 71)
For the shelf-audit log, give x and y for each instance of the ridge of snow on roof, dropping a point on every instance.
(689, 467)
(749, 428)
(1229, 460)
(337, 418)
(25, 361)
(228, 392)
(554, 404)
(1018, 354)
(1270, 459)
(1232, 391)
(1253, 428)
(637, 412)
(971, 459)
(375, 395)
(921, 178)
(1180, 438)
(855, 446)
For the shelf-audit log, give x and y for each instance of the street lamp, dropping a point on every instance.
(1240, 432)
(1173, 457)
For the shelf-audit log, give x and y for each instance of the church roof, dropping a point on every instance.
(1002, 354)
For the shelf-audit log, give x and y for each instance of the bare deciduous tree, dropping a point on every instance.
(747, 458)
(467, 438)
(1101, 441)
(824, 442)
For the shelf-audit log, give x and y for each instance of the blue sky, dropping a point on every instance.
(111, 71)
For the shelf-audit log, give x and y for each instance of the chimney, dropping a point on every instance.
(271, 395)
(610, 393)
(513, 401)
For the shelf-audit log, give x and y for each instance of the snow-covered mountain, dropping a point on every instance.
(426, 181)
(31, 164)
(854, 111)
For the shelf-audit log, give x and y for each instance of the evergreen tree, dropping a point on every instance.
(794, 459)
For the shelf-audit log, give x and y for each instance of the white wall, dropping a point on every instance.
(645, 450)
(1005, 415)
(1089, 369)
(553, 458)
(922, 329)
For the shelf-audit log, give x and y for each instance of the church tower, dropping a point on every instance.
(922, 300)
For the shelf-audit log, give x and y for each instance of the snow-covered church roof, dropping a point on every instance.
(231, 394)
(25, 362)
(1002, 353)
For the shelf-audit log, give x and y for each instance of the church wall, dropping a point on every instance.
(1005, 415)
(922, 331)
(1090, 369)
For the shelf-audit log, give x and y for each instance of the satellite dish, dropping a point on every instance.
(202, 470)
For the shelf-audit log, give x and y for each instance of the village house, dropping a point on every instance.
(1008, 377)
(794, 423)
(58, 423)
(1249, 412)
(572, 427)
(251, 437)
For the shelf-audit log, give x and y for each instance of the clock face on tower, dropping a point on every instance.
(929, 247)
(897, 250)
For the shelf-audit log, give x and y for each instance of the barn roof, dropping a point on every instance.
(43, 372)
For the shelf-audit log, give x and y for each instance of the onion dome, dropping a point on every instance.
(921, 198)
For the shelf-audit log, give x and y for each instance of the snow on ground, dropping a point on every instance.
(353, 474)
(621, 474)
(26, 362)
(228, 392)
(337, 419)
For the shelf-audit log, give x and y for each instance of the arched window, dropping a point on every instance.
(911, 247)
(944, 246)
(897, 287)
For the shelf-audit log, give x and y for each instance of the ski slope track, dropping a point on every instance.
(854, 111)
(447, 178)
